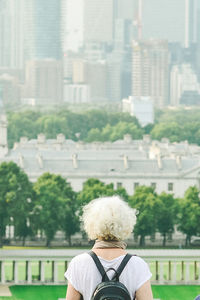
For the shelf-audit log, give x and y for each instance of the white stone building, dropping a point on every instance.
(142, 108)
(128, 163)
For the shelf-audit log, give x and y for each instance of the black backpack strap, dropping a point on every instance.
(122, 266)
(99, 266)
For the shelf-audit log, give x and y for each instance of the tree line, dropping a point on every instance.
(50, 204)
(101, 125)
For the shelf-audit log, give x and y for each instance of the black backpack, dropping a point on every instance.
(110, 289)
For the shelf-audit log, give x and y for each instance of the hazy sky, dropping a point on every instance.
(164, 19)
(161, 19)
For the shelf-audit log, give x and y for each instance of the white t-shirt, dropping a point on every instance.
(84, 276)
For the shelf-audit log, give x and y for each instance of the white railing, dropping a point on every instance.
(48, 266)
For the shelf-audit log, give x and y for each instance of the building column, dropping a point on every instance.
(199, 273)
(28, 272)
(187, 272)
(55, 272)
(174, 272)
(161, 273)
(15, 272)
(2, 270)
(42, 271)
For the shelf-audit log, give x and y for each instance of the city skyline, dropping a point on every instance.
(101, 35)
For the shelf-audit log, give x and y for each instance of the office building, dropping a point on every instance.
(98, 21)
(76, 93)
(184, 86)
(3, 129)
(72, 25)
(94, 75)
(124, 9)
(43, 31)
(114, 70)
(12, 24)
(150, 71)
(44, 81)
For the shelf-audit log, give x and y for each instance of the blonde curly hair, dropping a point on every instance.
(108, 218)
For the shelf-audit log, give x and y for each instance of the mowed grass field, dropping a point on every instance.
(36, 292)
(175, 292)
(55, 292)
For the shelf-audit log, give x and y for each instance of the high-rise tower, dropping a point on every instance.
(98, 21)
(191, 24)
(43, 30)
(12, 33)
(150, 63)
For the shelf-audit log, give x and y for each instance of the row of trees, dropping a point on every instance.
(95, 125)
(100, 125)
(50, 205)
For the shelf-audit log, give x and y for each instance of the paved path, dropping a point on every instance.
(64, 253)
(5, 291)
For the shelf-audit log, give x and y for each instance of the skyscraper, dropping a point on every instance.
(150, 63)
(43, 51)
(98, 21)
(73, 24)
(44, 81)
(43, 29)
(124, 9)
(191, 22)
(12, 33)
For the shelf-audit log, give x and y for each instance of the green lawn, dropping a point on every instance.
(55, 292)
(36, 292)
(175, 292)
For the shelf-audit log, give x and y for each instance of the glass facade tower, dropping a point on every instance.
(44, 34)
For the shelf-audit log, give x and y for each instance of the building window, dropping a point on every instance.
(170, 186)
(119, 185)
(136, 184)
(153, 185)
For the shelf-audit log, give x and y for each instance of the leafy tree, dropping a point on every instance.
(70, 224)
(99, 124)
(189, 216)
(54, 206)
(166, 214)
(187, 121)
(94, 135)
(115, 118)
(94, 188)
(21, 124)
(51, 125)
(148, 128)
(122, 128)
(97, 118)
(15, 199)
(169, 130)
(116, 132)
(145, 201)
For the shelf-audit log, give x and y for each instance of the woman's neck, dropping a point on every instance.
(109, 253)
